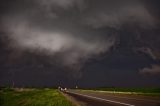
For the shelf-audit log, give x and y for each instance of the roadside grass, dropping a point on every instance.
(32, 97)
(138, 91)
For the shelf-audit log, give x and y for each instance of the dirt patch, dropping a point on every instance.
(22, 89)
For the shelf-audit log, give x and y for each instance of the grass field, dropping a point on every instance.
(142, 91)
(32, 97)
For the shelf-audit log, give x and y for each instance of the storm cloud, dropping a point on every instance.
(59, 36)
(71, 33)
(117, 16)
(153, 70)
(72, 48)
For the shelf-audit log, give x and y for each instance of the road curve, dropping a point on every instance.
(90, 98)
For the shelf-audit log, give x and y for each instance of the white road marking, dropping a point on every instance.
(102, 99)
(139, 99)
(135, 99)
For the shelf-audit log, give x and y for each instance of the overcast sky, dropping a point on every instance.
(80, 42)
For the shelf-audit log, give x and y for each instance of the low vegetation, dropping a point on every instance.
(32, 97)
(144, 91)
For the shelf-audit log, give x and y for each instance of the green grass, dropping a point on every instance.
(144, 91)
(32, 97)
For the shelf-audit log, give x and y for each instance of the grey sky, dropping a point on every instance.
(70, 34)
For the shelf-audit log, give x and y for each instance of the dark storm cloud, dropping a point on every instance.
(153, 70)
(58, 37)
(64, 4)
(57, 31)
(115, 15)
(148, 51)
(69, 33)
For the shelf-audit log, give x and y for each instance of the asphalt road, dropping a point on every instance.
(90, 98)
